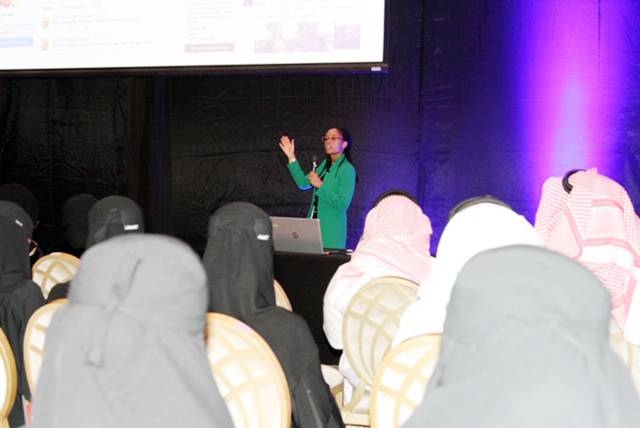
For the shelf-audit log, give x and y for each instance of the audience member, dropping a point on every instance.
(591, 219)
(239, 264)
(25, 199)
(19, 296)
(128, 350)
(112, 216)
(395, 242)
(475, 225)
(19, 194)
(109, 217)
(525, 344)
(75, 225)
(14, 212)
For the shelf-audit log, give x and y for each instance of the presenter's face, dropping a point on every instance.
(334, 144)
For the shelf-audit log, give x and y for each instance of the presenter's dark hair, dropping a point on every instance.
(346, 136)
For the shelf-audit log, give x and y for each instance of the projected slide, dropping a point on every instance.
(71, 34)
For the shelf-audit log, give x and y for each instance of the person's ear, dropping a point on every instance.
(345, 143)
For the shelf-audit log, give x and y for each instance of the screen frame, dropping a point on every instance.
(381, 67)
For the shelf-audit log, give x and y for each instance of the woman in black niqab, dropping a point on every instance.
(109, 217)
(112, 216)
(21, 195)
(74, 229)
(239, 264)
(19, 298)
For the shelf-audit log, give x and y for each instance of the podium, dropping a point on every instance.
(305, 277)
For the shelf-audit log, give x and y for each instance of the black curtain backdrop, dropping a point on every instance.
(442, 124)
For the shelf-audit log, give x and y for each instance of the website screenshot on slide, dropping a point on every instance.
(49, 34)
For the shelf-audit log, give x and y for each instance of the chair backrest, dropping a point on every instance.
(248, 374)
(34, 340)
(8, 380)
(52, 269)
(401, 380)
(629, 353)
(371, 321)
(281, 296)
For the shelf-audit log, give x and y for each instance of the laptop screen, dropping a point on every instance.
(297, 235)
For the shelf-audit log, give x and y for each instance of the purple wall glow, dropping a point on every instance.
(572, 66)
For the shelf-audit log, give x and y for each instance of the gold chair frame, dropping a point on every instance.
(34, 340)
(628, 353)
(401, 380)
(248, 374)
(10, 374)
(52, 269)
(282, 300)
(369, 325)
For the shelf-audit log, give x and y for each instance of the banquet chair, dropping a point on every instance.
(248, 374)
(369, 325)
(8, 380)
(629, 353)
(401, 380)
(52, 269)
(281, 296)
(34, 340)
(334, 380)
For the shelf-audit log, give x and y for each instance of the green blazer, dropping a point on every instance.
(333, 198)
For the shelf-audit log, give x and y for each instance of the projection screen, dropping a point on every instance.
(50, 35)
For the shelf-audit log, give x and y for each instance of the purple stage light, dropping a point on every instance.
(572, 68)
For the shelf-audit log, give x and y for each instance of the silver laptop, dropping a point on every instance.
(297, 235)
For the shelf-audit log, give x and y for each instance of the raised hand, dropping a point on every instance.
(288, 147)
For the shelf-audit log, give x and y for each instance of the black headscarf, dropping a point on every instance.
(109, 217)
(112, 216)
(14, 256)
(22, 196)
(19, 298)
(16, 214)
(239, 264)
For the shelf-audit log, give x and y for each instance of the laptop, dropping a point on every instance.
(297, 235)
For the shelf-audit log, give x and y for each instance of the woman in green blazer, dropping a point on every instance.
(333, 183)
